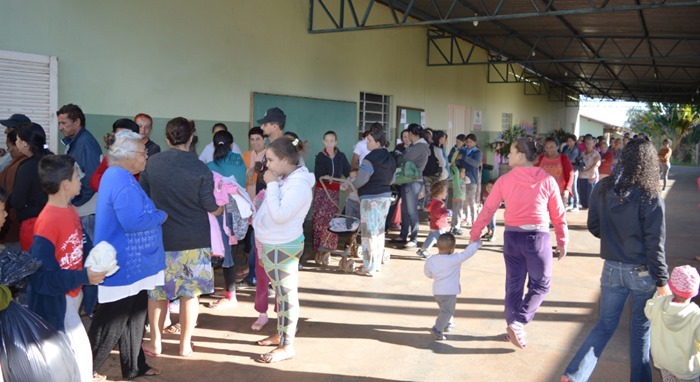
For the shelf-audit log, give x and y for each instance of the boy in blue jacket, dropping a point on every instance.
(55, 290)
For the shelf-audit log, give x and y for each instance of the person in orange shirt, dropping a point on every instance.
(665, 161)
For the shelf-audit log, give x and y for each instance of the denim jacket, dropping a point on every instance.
(83, 147)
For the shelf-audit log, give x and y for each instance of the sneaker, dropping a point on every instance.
(410, 244)
(575, 209)
(450, 327)
(270, 292)
(98, 377)
(422, 253)
(569, 207)
(437, 335)
(456, 231)
(516, 334)
(399, 240)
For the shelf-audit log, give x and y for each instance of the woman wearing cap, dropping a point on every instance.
(123, 124)
(627, 214)
(128, 220)
(7, 181)
(28, 198)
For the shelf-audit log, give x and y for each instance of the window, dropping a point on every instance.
(506, 121)
(374, 108)
(28, 85)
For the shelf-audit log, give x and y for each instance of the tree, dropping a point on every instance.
(673, 121)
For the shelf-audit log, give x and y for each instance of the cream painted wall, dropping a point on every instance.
(203, 59)
(590, 127)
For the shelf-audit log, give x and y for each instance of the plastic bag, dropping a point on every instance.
(31, 350)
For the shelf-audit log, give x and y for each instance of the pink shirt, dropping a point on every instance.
(531, 197)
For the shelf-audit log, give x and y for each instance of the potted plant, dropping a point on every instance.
(502, 145)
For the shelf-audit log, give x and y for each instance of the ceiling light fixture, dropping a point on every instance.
(476, 22)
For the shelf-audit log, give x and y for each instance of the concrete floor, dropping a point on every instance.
(360, 329)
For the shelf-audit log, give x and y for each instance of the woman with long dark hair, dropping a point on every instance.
(227, 163)
(28, 198)
(417, 153)
(627, 214)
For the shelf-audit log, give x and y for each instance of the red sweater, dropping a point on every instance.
(438, 214)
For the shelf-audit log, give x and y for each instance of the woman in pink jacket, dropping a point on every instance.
(532, 200)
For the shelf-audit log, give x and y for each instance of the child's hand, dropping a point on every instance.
(95, 277)
(561, 252)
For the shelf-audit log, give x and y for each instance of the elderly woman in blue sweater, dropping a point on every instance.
(128, 220)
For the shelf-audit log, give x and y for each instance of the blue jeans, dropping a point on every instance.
(432, 238)
(574, 193)
(617, 283)
(89, 291)
(584, 191)
(409, 211)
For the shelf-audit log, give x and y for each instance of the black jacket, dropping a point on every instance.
(376, 173)
(629, 231)
(337, 167)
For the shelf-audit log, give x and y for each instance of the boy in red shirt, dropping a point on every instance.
(438, 217)
(55, 290)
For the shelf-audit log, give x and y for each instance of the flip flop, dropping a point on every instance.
(222, 303)
(173, 329)
(267, 342)
(148, 352)
(276, 355)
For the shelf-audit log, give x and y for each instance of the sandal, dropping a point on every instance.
(277, 355)
(152, 372)
(147, 352)
(516, 334)
(268, 342)
(362, 272)
(173, 329)
(223, 303)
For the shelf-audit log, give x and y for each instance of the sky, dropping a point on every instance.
(614, 113)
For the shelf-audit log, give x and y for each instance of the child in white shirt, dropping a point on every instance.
(675, 327)
(444, 268)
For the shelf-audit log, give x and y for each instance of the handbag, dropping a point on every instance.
(407, 173)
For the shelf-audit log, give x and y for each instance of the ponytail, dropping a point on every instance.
(222, 144)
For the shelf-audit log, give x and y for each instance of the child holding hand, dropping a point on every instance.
(491, 227)
(444, 268)
(675, 327)
(438, 217)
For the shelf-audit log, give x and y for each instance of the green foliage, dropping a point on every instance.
(560, 134)
(664, 120)
(509, 136)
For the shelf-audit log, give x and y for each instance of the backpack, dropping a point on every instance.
(432, 167)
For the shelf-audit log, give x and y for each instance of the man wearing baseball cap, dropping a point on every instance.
(272, 123)
(675, 327)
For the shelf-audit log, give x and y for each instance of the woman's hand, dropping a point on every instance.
(565, 195)
(270, 176)
(561, 252)
(663, 291)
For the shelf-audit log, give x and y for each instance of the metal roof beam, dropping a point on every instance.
(341, 26)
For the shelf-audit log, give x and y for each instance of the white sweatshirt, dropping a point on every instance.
(675, 336)
(280, 218)
(445, 269)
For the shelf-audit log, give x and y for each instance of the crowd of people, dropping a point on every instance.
(168, 213)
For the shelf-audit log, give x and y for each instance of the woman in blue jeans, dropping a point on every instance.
(627, 214)
(417, 153)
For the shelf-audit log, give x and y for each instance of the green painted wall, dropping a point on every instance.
(202, 60)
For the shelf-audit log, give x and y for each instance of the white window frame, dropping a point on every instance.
(26, 82)
(365, 121)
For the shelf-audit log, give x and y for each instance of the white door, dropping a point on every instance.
(29, 86)
(458, 123)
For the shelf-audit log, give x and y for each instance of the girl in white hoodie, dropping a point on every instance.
(278, 227)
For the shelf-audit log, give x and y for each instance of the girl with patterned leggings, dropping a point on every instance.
(278, 227)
